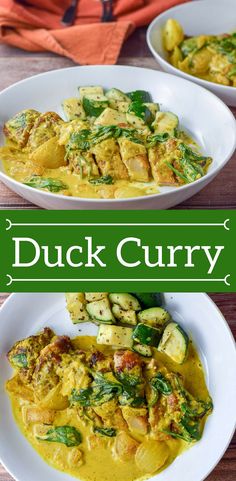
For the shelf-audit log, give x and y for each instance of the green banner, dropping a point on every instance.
(117, 250)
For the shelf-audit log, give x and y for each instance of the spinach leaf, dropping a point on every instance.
(106, 179)
(177, 172)
(188, 46)
(20, 360)
(160, 383)
(152, 140)
(92, 107)
(67, 435)
(53, 185)
(81, 397)
(232, 72)
(140, 110)
(139, 96)
(110, 432)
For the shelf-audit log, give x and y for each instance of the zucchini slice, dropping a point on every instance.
(145, 351)
(165, 122)
(100, 311)
(116, 336)
(73, 109)
(148, 299)
(139, 96)
(154, 316)
(141, 111)
(92, 90)
(115, 96)
(111, 117)
(152, 395)
(125, 301)
(174, 343)
(95, 296)
(148, 335)
(76, 306)
(94, 104)
(125, 317)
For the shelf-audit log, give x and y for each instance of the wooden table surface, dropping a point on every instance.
(221, 193)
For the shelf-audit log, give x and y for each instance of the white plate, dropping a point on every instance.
(208, 17)
(203, 114)
(25, 314)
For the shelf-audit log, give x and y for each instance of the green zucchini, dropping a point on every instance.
(148, 299)
(145, 351)
(154, 316)
(111, 117)
(153, 107)
(165, 122)
(125, 301)
(148, 335)
(94, 104)
(115, 96)
(76, 306)
(95, 296)
(174, 343)
(117, 336)
(139, 96)
(100, 311)
(125, 317)
(141, 111)
(91, 90)
(73, 109)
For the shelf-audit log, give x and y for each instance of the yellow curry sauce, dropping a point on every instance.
(209, 57)
(112, 145)
(96, 457)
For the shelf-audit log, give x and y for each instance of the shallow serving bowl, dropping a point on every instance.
(207, 119)
(210, 17)
(25, 314)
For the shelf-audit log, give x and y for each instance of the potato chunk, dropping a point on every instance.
(33, 414)
(125, 446)
(173, 34)
(151, 456)
(49, 155)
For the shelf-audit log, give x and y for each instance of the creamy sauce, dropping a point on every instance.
(99, 464)
(19, 167)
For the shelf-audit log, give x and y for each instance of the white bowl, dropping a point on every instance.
(204, 115)
(25, 314)
(208, 17)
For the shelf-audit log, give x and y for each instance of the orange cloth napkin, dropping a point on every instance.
(36, 26)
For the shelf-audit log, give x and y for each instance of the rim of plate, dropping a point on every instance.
(130, 199)
(225, 325)
(206, 83)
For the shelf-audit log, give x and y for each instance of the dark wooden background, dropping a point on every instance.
(220, 194)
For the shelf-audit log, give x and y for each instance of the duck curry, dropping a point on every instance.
(210, 57)
(126, 403)
(112, 145)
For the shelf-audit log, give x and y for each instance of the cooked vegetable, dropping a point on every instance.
(165, 123)
(145, 334)
(94, 104)
(161, 384)
(76, 305)
(20, 360)
(67, 435)
(139, 96)
(53, 185)
(110, 432)
(174, 343)
(100, 311)
(106, 179)
(95, 296)
(143, 350)
(125, 317)
(148, 299)
(210, 57)
(115, 336)
(125, 301)
(154, 316)
(115, 96)
(151, 455)
(142, 111)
